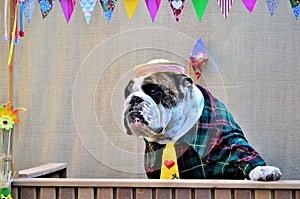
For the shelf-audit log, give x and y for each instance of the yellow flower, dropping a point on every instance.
(8, 117)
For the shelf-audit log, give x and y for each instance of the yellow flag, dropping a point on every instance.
(130, 6)
(169, 167)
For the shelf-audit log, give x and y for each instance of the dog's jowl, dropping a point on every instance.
(163, 106)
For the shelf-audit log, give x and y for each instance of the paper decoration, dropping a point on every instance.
(272, 5)
(296, 7)
(67, 7)
(177, 7)
(87, 7)
(46, 6)
(130, 6)
(198, 58)
(225, 6)
(153, 6)
(249, 4)
(28, 8)
(199, 6)
(108, 8)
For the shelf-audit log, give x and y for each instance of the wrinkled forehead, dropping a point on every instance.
(161, 79)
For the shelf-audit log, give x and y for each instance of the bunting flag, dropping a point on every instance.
(28, 8)
(198, 58)
(87, 7)
(177, 7)
(225, 6)
(296, 7)
(199, 6)
(46, 6)
(130, 6)
(153, 6)
(249, 4)
(67, 7)
(108, 8)
(272, 5)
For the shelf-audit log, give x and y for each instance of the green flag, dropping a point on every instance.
(199, 6)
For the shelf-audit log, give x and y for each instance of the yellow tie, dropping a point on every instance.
(169, 167)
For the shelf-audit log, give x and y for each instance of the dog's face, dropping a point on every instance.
(161, 106)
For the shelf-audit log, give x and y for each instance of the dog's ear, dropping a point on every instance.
(184, 82)
(128, 88)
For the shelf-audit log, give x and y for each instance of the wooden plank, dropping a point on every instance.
(48, 193)
(143, 193)
(242, 194)
(183, 194)
(66, 193)
(297, 194)
(85, 193)
(105, 193)
(15, 192)
(49, 170)
(124, 193)
(163, 193)
(262, 194)
(223, 193)
(283, 194)
(203, 193)
(28, 192)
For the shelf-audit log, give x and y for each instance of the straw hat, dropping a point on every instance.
(158, 65)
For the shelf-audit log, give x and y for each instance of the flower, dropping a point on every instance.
(5, 193)
(8, 117)
(6, 122)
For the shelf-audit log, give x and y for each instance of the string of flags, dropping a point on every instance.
(26, 8)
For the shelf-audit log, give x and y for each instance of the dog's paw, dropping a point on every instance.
(265, 173)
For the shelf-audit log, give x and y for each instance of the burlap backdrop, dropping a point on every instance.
(71, 78)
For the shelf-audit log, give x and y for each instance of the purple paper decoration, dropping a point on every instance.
(153, 6)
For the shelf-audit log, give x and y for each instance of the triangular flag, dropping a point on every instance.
(130, 6)
(225, 6)
(87, 7)
(249, 4)
(153, 6)
(28, 8)
(46, 6)
(177, 7)
(296, 7)
(200, 6)
(272, 5)
(108, 8)
(198, 58)
(67, 7)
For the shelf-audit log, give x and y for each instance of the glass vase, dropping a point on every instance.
(6, 166)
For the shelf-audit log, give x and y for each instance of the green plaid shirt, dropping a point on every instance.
(214, 148)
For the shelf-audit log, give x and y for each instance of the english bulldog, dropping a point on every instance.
(163, 105)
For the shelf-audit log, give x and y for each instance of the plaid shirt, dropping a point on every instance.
(214, 148)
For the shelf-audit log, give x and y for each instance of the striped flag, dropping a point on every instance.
(225, 6)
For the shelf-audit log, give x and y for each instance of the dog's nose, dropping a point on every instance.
(136, 118)
(136, 121)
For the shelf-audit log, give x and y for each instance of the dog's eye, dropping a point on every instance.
(154, 91)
